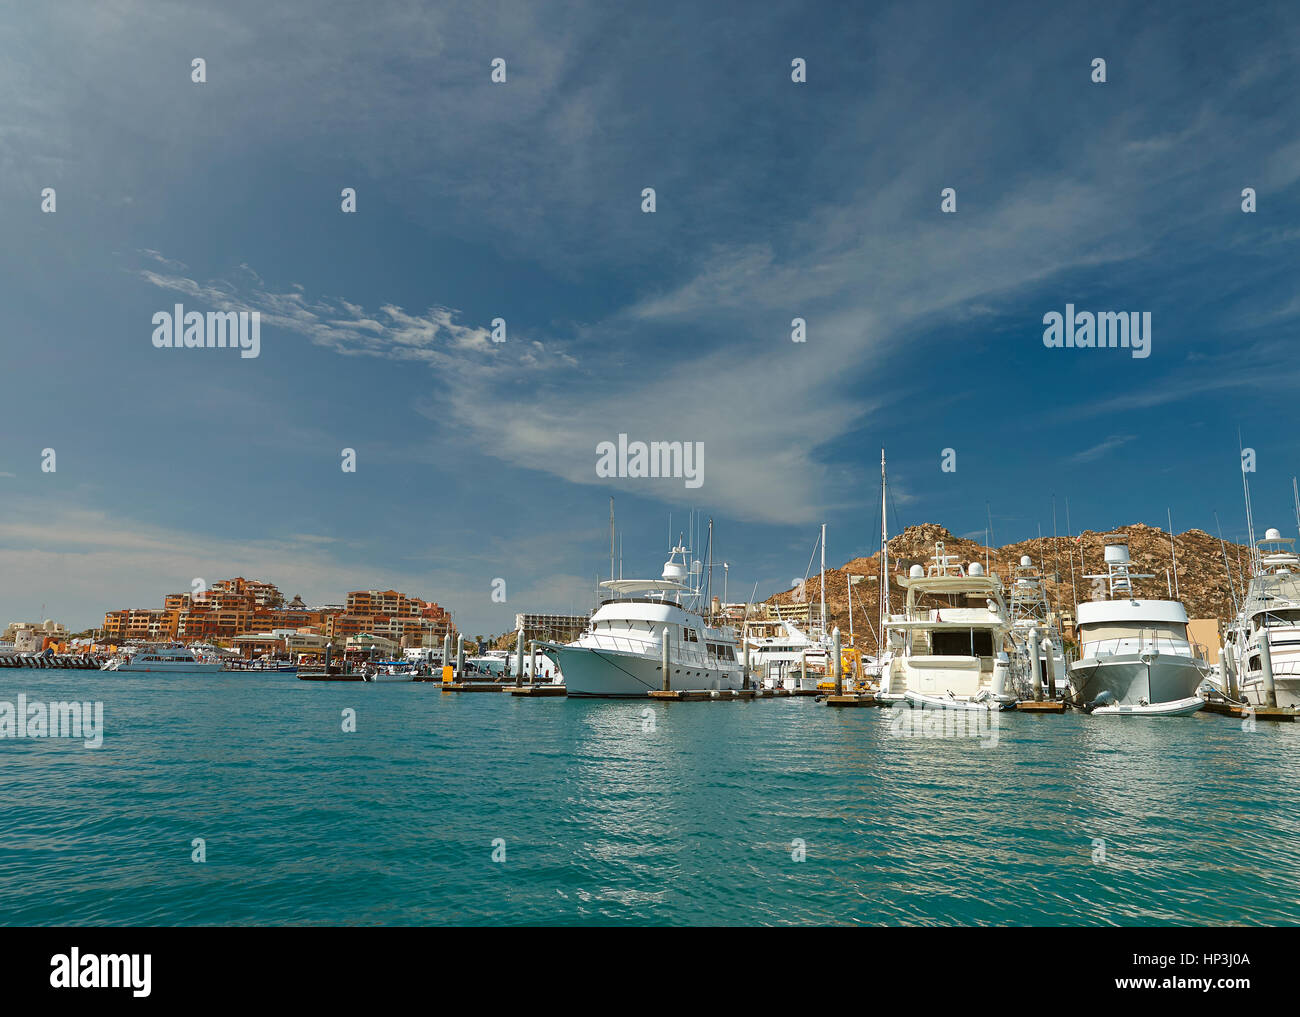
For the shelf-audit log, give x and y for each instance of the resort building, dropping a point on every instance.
(240, 607)
(555, 628)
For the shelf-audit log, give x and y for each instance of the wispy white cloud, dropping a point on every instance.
(1102, 448)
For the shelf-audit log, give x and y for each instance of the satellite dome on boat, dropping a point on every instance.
(674, 571)
(1025, 561)
(1272, 533)
(976, 569)
(916, 572)
(696, 567)
(1117, 554)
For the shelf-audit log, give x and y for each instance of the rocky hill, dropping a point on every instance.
(1202, 582)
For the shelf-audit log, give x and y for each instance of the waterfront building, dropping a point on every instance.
(555, 628)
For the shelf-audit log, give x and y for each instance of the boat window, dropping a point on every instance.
(968, 643)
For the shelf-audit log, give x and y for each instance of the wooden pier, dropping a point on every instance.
(477, 686)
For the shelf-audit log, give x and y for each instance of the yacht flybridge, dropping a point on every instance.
(946, 650)
(1135, 656)
(1266, 633)
(620, 654)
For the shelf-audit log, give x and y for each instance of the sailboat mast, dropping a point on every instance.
(884, 556)
(823, 579)
(611, 538)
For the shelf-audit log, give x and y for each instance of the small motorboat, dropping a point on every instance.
(1105, 706)
(984, 701)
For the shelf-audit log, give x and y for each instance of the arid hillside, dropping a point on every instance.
(1202, 581)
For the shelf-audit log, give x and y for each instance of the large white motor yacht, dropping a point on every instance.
(619, 656)
(1271, 612)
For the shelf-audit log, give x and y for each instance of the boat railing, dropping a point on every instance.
(681, 654)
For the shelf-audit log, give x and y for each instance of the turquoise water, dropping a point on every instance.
(604, 821)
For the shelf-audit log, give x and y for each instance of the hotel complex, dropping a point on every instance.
(237, 609)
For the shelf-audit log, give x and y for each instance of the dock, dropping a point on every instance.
(703, 695)
(476, 686)
(1048, 706)
(852, 699)
(1241, 710)
(539, 691)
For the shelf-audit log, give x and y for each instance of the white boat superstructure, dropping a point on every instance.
(1269, 620)
(1132, 652)
(619, 656)
(947, 648)
(787, 658)
(163, 658)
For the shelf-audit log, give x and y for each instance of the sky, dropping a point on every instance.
(522, 200)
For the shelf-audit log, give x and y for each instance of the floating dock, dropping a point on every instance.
(539, 691)
(1043, 706)
(852, 699)
(477, 686)
(703, 695)
(1241, 710)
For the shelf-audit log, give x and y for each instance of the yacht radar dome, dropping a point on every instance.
(976, 569)
(1026, 561)
(1272, 533)
(1117, 554)
(916, 572)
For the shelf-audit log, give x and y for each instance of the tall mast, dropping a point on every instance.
(1295, 494)
(1250, 518)
(611, 538)
(884, 556)
(708, 588)
(823, 579)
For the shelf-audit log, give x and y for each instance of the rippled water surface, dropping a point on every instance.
(628, 812)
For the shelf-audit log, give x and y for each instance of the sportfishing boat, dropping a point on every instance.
(1135, 656)
(1031, 613)
(166, 658)
(947, 648)
(1269, 621)
(620, 654)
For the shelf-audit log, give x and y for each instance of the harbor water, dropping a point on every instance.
(444, 808)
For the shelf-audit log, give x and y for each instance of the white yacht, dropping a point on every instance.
(1134, 655)
(783, 656)
(171, 658)
(1270, 613)
(947, 650)
(619, 656)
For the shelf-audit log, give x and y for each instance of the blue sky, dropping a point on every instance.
(522, 200)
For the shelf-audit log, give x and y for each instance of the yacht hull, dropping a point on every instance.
(591, 673)
(1135, 679)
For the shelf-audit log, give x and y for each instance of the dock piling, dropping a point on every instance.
(666, 655)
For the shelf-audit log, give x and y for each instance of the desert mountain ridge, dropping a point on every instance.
(1202, 580)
